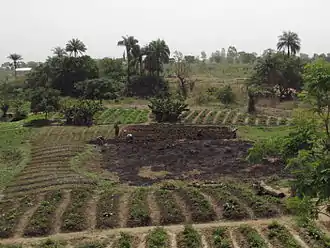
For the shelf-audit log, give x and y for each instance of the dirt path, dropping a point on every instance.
(233, 239)
(259, 230)
(204, 243)
(143, 241)
(217, 209)
(26, 217)
(142, 230)
(172, 238)
(295, 235)
(123, 207)
(91, 211)
(194, 121)
(207, 116)
(59, 212)
(153, 208)
(183, 207)
(249, 210)
(216, 117)
(226, 117)
(236, 118)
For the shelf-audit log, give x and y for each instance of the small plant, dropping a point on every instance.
(139, 210)
(253, 238)
(74, 218)
(41, 221)
(49, 243)
(220, 238)
(107, 210)
(189, 238)
(92, 245)
(125, 241)
(157, 238)
(170, 211)
(201, 209)
(226, 95)
(279, 232)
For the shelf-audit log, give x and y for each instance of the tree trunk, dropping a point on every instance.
(288, 51)
(128, 64)
(251, 105)
(15, 67)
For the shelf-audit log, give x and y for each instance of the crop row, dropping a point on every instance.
(173, 207)
(279, 236)
(74, 217)
(229, 117)
(11, 212)
(123, 116)
(41, 221)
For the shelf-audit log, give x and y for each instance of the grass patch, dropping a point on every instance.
(169, 209)
(157, 238)
(74, 218)
(260, 133)
(139, 209)
(14, 151)
(49, 243)
(41, 221)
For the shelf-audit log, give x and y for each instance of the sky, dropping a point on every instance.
(33, 27)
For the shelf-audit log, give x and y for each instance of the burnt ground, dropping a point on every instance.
(183, 159)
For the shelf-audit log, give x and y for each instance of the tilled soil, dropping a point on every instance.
(183, 159)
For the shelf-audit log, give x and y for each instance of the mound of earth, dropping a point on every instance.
(144, 163)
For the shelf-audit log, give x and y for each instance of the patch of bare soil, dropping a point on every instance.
(26, 217)
(59, 212)
(211, 158)
(91, 211)
(183, 207)
(154, 210)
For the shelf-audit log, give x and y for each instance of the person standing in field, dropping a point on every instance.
(116, 126)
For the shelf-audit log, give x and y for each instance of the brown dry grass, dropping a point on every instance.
(146, 172)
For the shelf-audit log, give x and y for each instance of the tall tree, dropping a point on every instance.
(15, 58)
(75, 47)
(203, 56)
(158, 53)
(129, 42)
(59, 51)
(290, 42)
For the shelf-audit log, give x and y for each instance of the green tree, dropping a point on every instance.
(290, 42)
(157, 54)
(317, 90)
(203, 56)
(59, 51)
(231, 54)
(62, 73)
(15, 58)
(44, 100)
(99, 89)
(4, 97)
(129, 42)
(75, 47)
(182, 70)
(112, 68)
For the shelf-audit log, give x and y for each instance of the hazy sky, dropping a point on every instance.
(33, 27)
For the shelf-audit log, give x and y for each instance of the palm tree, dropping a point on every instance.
(129, 42)
(158, 53)
(15, 58)
(59, 51)
(289, 41)
(76, 47)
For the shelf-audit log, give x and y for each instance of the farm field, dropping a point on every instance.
(171, 176)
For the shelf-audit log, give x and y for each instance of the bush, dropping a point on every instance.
(226, 95)
(81, 113)
(167, 109)
(147, 86)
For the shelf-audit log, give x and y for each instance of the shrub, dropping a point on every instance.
(81, 113)
(226, 95)
(147, 86)
(167, 109)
